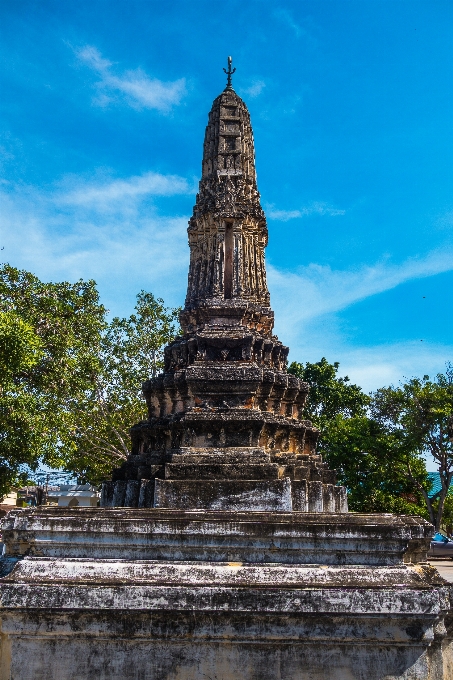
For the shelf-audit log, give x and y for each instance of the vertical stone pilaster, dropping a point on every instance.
(146, 495)
(341, 499)
(240, 272)
(237, 265)
(329, 504)
(300, 495)
(315, 497)
(107, 494)
(132, 494)
(119, 493)
(252, 266)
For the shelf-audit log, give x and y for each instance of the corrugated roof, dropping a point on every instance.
(435, 481)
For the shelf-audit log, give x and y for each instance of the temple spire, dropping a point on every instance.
(229, 74)
(227, 232)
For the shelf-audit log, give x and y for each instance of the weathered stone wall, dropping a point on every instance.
(169, 595)
(121, 647)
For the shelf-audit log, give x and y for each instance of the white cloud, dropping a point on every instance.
(255, 88)
(108, 229)
(315, 208)
(285, 16)
(445, 221)
(322, 290)
(108, 194)
(133, 86)
(70, 234)
(373, 367)
(282, 215)
(92, 57)
(306, 304)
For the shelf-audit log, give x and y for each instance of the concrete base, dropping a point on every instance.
(174, 595)
(216, 646)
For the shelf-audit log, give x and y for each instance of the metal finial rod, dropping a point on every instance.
(229, 74)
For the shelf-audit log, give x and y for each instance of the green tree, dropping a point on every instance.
(80, 391)
(131, 352)
(330, 395)
(68, 321)
(372, 465)
(365, 453)
(21, 421)
(419, 416)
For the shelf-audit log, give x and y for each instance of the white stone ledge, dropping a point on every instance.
(358, 601)
(39, 569)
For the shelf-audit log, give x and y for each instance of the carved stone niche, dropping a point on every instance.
(222, 347)
(215, 345)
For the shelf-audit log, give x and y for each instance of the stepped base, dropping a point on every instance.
(237, 495)
(225, 478)
(118, 594)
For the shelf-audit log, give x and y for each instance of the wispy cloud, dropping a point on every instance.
(109, 231)
(283, 215)
(307, 302)
(285, 16)
(445, 221)
(315, 208)
(109, 194)
(134, 87)
(255, 89)
(381, 365)
(321, 290)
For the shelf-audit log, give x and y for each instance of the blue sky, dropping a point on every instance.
(103, 110)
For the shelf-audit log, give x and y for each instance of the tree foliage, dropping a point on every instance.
(366, 454)
(61, 326)
(21, 421)
(418, 414)
(372, 465)
(71, 385)
(330, 395)
(131, 352)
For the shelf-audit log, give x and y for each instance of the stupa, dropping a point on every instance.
(223, 548)
(225, 428)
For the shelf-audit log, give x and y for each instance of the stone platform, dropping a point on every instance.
(186, 595)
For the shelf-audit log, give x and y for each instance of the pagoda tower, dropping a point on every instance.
(223, 549)
(225, 427)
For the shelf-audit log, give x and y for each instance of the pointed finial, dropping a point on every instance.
(229, 74)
